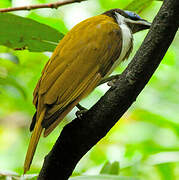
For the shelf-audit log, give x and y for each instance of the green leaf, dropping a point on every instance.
(138, 5)
(103, 177)
(9, 56)
(169, 58)
(22, 33)
(56, 23)
(115, 168)
(4, 175)
(97, 177)
(14, 83)
(15, 176)
(166, 171)
(5, 3)
(157, 119)
(109, 168)
(106, 168)
(106, 4)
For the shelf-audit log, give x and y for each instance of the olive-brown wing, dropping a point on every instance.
(86, 52)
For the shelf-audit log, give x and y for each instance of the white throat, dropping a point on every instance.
(126, 35)
(126, 41)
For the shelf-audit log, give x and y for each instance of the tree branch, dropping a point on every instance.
(79, 136)
(39, 6)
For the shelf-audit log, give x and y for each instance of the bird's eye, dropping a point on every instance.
(133, 15)
(136, 16)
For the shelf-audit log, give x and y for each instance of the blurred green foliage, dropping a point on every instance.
(110, 168)
(145, 141)
(35, 37)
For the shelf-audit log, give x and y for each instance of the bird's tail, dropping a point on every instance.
(33, 142)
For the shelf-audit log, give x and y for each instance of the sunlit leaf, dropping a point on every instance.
(10, 81)
(55, 23)
(22, 33)
(169, 58)
(106, 4)
(15, 176)
(106, 168)
(4, 175)
(103, 177)
(156, 119)
(5, 3)
(138, 5)
(110, 168)
(115, 168)
(166, 171)
(9, 56)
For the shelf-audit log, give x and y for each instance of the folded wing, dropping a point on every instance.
(77, 65)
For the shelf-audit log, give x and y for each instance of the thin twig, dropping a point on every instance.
(21, 48)
(39, 6)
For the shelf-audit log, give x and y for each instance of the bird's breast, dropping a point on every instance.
(126, 40)
(127, 43)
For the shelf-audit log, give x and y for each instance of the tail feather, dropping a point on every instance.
(60, 118)
(33, 142)
(96, 79)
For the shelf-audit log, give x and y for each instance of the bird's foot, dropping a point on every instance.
(82, 110)
(112, 83)
(110, 80)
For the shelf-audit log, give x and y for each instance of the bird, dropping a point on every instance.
(87, 54)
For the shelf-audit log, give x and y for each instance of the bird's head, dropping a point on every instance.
(134, 21)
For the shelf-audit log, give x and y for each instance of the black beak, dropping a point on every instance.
(144, 23)
(139, 25)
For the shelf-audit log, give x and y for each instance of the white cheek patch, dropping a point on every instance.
(126, 35)
(126, 40)
(119, 18)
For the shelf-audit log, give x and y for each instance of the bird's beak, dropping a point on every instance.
(144, 23)
(141, 25)
(138, 25)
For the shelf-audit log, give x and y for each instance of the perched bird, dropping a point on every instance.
(88, 53)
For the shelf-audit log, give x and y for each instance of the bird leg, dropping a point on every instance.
(81, 111)
(110, 80)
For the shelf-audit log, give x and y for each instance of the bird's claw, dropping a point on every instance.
(80, 113)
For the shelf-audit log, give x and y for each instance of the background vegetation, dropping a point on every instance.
(144, 143)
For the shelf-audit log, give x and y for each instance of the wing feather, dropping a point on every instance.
(72, 96)
(95, 80)
(79, 62)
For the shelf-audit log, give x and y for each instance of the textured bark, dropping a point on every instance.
(78, 137)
